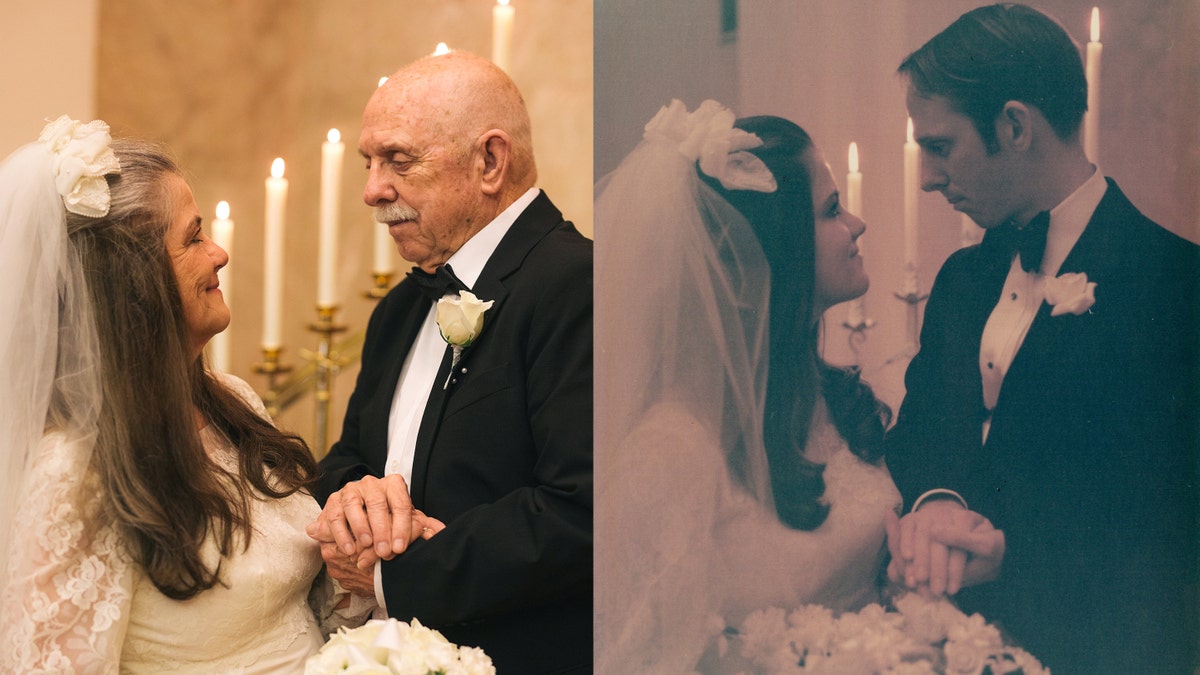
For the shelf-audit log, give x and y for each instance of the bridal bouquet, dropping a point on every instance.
(919, 636)
(391, 647)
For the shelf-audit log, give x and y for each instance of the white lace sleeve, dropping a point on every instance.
(243, 389)
(326, 595)
(69, 583)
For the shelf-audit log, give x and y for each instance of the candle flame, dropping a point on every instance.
(277, 168)
(853, 157)
(910, 131)
(381, 81)
(222, 210)
(334, 136)
(502, 3)
(1095, 24)
(442, 48)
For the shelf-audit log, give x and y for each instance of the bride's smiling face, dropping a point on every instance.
(839, 275)
(196, 259)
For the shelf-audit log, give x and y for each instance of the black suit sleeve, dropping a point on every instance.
(938, 431)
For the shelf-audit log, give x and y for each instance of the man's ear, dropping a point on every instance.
(495, 151)
(1014, 126)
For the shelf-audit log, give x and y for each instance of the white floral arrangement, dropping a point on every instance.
(708, 136)
(460, 321)
(921, 635)
(392, 647)
(82, 158)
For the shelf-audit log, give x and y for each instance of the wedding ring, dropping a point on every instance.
(425, 531)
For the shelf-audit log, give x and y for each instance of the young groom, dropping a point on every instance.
(1048, 437)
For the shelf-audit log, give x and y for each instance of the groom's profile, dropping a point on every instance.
(494, 437)
(1055, 390)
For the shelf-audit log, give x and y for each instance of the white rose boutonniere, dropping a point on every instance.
(82, 157)
(391, 647)
(460, 320)
(1070, 293)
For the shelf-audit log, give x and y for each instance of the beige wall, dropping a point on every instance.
(40, 82)
(231, 85)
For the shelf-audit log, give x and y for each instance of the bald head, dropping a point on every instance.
(462, 96)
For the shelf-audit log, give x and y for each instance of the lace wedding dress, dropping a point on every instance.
(85, 607)
(690, 552)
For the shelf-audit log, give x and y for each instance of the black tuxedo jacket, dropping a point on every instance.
(1091, 461)
(503, 455)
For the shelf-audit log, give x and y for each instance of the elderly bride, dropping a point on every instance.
(151, 517)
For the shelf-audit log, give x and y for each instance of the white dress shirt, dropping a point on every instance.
(423, 359)
(1024, 291)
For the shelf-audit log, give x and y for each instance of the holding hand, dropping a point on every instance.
(372, 519)
(943, 548)
(356, 571)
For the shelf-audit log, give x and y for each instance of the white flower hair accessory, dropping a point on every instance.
(1070, 293)
(708, 136)
(82, 158)
(460, 320)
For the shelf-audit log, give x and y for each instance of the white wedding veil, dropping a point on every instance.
(682, 289)
(48, 346)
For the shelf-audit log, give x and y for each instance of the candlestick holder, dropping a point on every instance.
(858, 327)
(383, 283)
(272, 367)
(327, 363)
(912, 297)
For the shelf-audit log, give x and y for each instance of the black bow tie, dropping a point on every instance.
(438, 284)
(1030, 241)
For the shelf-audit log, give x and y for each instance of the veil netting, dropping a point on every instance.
(682, 294)
(48, 344)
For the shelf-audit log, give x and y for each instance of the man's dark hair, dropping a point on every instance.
(1000, 53)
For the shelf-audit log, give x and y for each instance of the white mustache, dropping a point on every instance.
(391, 213)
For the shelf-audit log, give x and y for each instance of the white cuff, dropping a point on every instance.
(379, 586)
(938, 493)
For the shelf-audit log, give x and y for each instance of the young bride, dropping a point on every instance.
(736, 469)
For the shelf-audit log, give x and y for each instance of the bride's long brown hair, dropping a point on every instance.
(784, 224)
(165, 495)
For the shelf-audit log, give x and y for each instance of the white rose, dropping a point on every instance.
(460, 319)
(1070, 293)
(82, 158)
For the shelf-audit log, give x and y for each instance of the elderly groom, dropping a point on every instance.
(1055, 388)
(499, 446)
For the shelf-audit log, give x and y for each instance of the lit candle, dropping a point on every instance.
(855, 313)
(222, 235)
(384, 247)
(502, 23)
(332, 152)
(277, 187)
(912, 184)
(441, 48)
(1091, 119)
